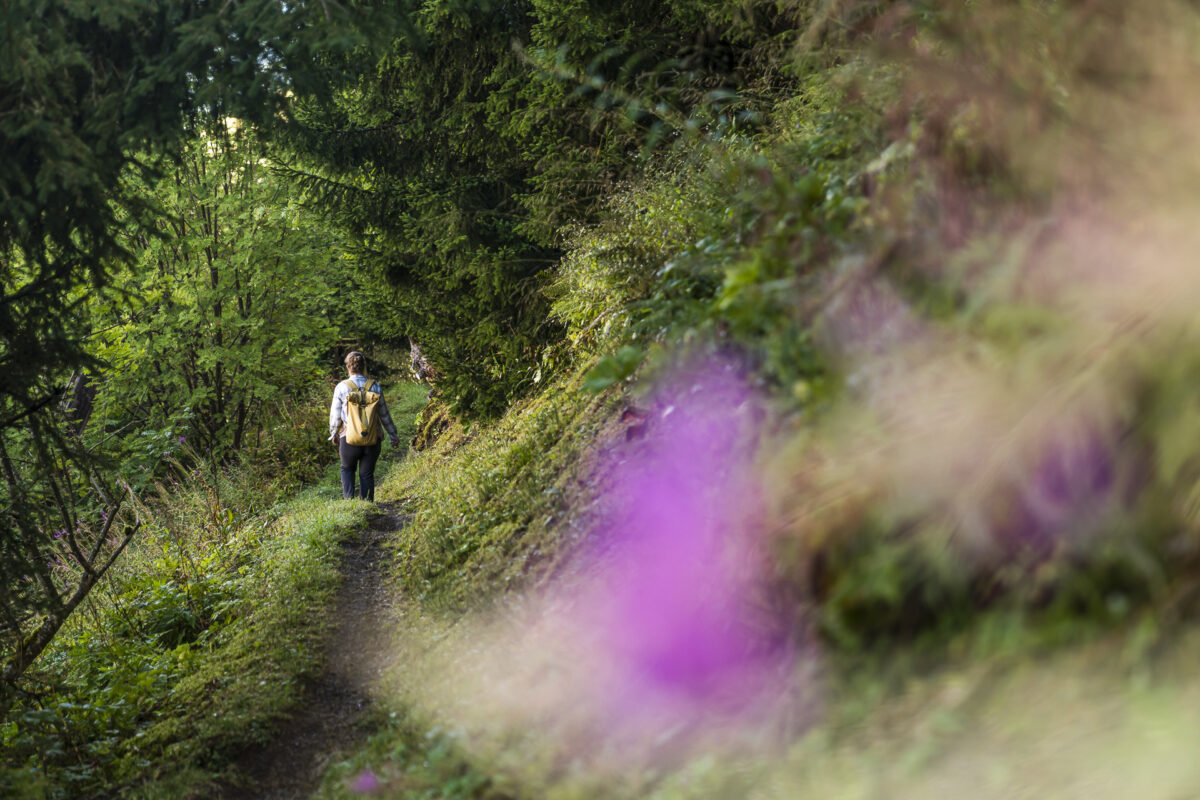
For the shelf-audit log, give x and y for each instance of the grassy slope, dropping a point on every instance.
(253, 672)
(153, 716)
(1015, 704)
(938, 678)
(493, 508)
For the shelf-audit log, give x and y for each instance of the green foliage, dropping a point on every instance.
(415, 756)
(253, 670)
(228, 309)
(723, 247)
(201, 636)
(433, 421)
(613, 369)
(454, 162)
(619, 273)
(193, 648)
(412, 407)
(64, 523)
(490, 505)
(293, 450)
(93, 97)
(411, 172)
(610, 82)
(91, 92)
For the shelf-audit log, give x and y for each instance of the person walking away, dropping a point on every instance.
(355, 417)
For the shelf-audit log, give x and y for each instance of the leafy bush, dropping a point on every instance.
(722, 248)
(191, 649)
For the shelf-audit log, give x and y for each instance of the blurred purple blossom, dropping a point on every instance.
(1071, 477)
(681, 567)
(365, 783)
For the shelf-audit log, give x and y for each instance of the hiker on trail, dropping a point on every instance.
(355, 418)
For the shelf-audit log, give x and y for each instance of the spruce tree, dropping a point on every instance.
(93, 97)
(224, 315)
(454, 162)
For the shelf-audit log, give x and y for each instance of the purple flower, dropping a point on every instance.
(365, 783)
(679, 557)
(663, 631)
(1064, 491)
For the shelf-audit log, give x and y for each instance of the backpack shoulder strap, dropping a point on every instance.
(368, 383)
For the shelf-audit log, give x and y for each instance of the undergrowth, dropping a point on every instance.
(191, 652)
(492, 504)
(413, 757)
(876, 228)
(202, 636)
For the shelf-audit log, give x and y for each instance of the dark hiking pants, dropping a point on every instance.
(362, 458)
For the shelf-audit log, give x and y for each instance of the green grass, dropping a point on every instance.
(409, 757)
(253, 671)
(203, 634)
(193, 652)
(493, 506)
(405, 401)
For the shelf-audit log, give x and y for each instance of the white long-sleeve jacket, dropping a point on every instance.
(337, 409)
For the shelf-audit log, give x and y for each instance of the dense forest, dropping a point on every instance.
(798, 398)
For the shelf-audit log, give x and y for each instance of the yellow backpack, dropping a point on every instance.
(362, 415)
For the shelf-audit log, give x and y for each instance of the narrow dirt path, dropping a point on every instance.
(327, 724)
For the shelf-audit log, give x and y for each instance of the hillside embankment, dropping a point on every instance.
(848, 448)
